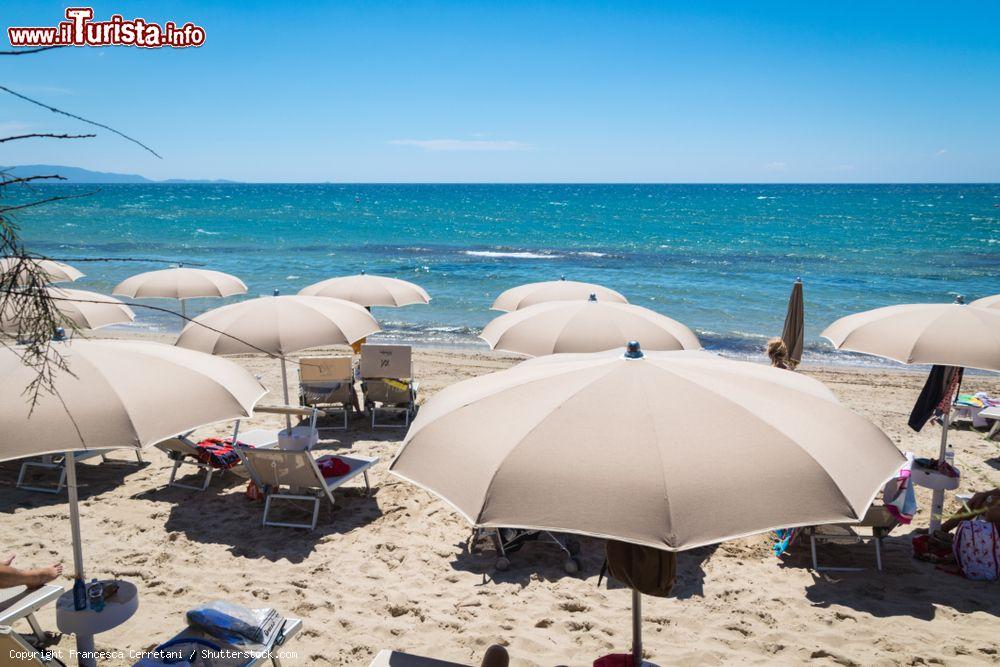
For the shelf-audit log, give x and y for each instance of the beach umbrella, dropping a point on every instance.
(82, 309)
(278, 325)
(114, 394)
(368, 290)
(671, 450)
(523, 296)
(55, 272)
(585, 325)
(944, 334)
(987, 302)
(794, 331)
(180, 283)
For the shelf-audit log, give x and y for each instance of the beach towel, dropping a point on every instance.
(218, 453)
(898, 496)
(332, 467)
(941, 385)
(976, 546)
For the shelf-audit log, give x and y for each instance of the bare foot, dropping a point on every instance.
(44, 575)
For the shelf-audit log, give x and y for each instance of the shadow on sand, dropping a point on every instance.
(93, 478)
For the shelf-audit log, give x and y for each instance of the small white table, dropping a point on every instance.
(85, 623)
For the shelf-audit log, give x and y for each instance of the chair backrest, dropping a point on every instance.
(180, 445)
(319, 370)
(386, 361)
(279, 467)
(12, 644)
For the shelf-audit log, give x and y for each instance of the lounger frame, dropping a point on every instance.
(47, 464)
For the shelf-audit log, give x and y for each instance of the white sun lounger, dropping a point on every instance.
(15, 651)
(294, 475)
(49, 463)
(183, 451)
(21, 602)
(387, 383)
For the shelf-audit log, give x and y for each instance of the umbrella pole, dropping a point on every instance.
(183, 310)
(84, 643)
(937, 498)
(636, 628)
(284, 384)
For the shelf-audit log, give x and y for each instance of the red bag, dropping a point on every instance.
(332, 467)
(614, 660)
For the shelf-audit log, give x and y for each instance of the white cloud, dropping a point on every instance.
(462, 144)
(942, 151)
(776, 166)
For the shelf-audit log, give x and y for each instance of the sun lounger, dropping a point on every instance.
(992, 414)
(182, 450)
(387, 383)
(496, 656)
(294, 475)
(21, 602)
(58, 462)
(236, 655)
(878, 519)
(328, 383)
(14, 650)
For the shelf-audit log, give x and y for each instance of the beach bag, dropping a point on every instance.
(977, 550)
(645, 569)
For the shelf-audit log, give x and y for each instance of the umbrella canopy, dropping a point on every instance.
(118, 394)
(795, 325)
(56, 272)
(368, 290)
(585, 326)
(673, 450)
(987, 302)
(523, 296)
(180, 283)
(85, 310)
(923, 333)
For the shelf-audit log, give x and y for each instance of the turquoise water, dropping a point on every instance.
(720, 258)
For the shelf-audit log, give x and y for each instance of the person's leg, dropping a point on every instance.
(12, 576)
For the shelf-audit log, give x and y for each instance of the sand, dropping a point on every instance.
(394, 570)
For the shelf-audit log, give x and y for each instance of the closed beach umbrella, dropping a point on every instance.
(585, 325)
(83, 309)
(278, 325)
(368, 290)
(553, 290)
(671, 450)
(987, 302)
(115, 394)
(180, 283)
(794, 332)
(55, 272)
(924, 333)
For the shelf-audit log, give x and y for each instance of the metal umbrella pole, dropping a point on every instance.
(84, 643)
(284, 384)
(636, 628)
(937, 497)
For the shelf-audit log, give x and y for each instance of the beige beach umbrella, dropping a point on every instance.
(115, 394)
(278, 325)
(180, 283)
(586, 325)
(794, 331)
(523, 296)
(55, 272)
(992, 302)
(83, 309)
(369, 290)
(672, 450)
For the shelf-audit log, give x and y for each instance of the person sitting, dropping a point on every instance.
(11, 576)
(984, 500)
(777, 352)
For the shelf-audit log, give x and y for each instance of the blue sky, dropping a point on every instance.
(528, 92)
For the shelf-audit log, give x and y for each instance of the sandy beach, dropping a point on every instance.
(394, 570)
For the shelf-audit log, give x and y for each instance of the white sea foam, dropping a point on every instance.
(206, 232)
(511, 255)
(592, 254)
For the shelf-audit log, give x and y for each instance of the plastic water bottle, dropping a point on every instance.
(79, 595)
(96, 595)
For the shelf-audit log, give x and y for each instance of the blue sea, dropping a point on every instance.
(720, 258)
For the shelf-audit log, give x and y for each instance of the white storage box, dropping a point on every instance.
(298, 438)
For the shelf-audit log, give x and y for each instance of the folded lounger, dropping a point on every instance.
(58, 462)
(327, 383)
(387, 383)
(295, 475)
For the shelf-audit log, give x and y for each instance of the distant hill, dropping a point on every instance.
(78, 175)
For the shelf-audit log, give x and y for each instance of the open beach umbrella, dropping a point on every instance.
(115, 394)
(671, 450)
(85, 310)
(180, 283)
(56, 272)
(368, 290)
(946, 334)
(585, 325)
(794, 331)
(278, 325)
(992, 302)
(523, 296)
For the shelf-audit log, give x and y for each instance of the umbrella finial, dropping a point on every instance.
(362, 272)
(59, 334)
(592, 297)
(959, 299)
(633, 350)
(562, 277)
(277, 292)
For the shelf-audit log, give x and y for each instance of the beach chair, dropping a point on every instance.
(225, 654)
(184, 451)
(387, 383)
(58, 463)
(877, 519)
(20, 602)
(327, 383)
(294, 475)
(14, 650)
(495, 656)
